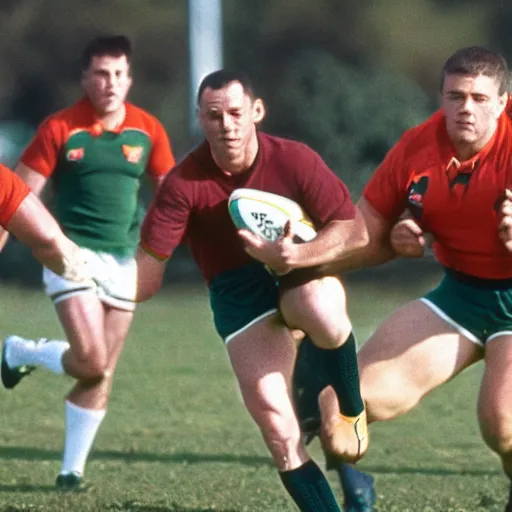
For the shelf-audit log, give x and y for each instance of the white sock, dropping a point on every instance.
(20, 352)
(81, 427)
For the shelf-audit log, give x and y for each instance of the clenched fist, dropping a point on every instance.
(408, 239)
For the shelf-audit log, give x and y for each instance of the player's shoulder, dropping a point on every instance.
(422, 136)
(68, 118)
(289, 155)
(140, 119)
(190, 167)
(283, 145)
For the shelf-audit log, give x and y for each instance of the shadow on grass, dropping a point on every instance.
(131, 506)
(32, 453)
(25, 488)
(388, 470)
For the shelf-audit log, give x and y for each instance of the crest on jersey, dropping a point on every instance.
(416, 193)
(75, 154)
(132, 153)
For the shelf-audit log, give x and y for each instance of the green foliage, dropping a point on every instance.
(345, 77)
(350, 116)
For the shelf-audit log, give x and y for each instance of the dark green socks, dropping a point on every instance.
(342, 373)
(309, 489)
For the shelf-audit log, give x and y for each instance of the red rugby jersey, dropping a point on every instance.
(456, 201)
(192, 202)
(12, 193)
(42, 154)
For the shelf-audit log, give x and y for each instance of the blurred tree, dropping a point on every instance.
(333, 72)
(351, 116)
(41, 43)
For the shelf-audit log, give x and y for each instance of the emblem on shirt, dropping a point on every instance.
(416, 193)
(75, 154)
(132, 153)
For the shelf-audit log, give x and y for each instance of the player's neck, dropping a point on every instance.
(112, 120)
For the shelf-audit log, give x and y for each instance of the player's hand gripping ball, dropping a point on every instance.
(270, 226)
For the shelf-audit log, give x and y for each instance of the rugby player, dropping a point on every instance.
(191, 207)
(453, 174)
(96, 154)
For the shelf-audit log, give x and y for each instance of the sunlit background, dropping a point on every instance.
(346, 77)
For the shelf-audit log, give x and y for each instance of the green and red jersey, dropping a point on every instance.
(96, 173)
(12, 193)
(456, 201)
(192, 203)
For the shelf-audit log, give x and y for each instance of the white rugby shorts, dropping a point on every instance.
(115, 278)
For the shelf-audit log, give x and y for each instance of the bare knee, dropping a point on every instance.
(318, 308)
(496, 430)
(90, 364)
(386, 396)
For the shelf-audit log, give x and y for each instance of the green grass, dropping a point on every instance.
(177, 437)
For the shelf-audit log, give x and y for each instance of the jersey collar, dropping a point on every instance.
(95, 127)
(452, 164)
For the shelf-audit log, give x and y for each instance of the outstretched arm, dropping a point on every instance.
(377, 251)
(34, 226)
(150, 274)
(35, 182)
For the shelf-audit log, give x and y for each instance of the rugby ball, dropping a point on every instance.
(266, 214)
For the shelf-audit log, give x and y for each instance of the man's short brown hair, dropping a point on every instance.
(475, 60)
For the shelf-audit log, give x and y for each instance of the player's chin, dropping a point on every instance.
(111, 105)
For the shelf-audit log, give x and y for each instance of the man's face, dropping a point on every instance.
(228, 119)
(107, 82)
(472, 106)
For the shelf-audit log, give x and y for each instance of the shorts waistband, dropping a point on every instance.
(479, 282)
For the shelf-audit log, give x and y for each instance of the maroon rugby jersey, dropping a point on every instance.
(191, 205)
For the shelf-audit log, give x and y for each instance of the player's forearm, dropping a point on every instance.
(56, 252)
(375, 253)
(337, 241)
(33, 226)
(150, 273)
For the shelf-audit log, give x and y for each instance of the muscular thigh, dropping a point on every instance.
(82, 317)
(494, 404)
(117, 325)
(410, 354)
(317, 307)
(263, 356)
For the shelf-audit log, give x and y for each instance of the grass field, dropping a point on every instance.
(177, 437)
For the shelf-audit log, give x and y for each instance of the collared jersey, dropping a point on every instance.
(457, 202)
(96, 174)
(192, 203)
(13, 191)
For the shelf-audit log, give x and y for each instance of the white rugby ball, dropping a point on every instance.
(266, 214)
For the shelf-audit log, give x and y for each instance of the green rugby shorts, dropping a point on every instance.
(480, 309)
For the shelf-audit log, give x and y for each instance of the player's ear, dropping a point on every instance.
(258, 111)
(502, 103)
